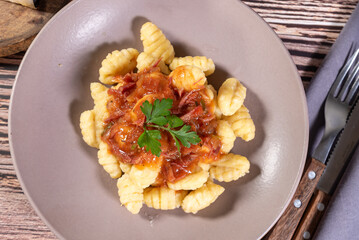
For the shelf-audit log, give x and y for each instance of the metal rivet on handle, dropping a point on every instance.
(311, 175)
(320, 207)
(297, 203)
(306, 235)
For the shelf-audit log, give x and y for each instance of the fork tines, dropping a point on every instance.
(346, 85)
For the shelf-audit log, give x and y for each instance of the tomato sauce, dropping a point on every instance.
(125, 124)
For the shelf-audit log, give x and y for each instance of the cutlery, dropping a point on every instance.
(337, 163)
(339, 102)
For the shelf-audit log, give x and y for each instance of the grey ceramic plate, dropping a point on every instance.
(60, 174)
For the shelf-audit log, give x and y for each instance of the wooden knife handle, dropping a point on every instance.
(287, 224)
(312, 216)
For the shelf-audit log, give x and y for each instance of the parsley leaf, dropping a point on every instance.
(160, 121)
(187, 138)
(146, 108)
(161, 108)
(176, 141)
(174, 121)
(149, 139)
(158, 116)
(156, 112)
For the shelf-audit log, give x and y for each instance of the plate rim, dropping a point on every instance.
(306, 120)
(297, 80)
(12, 152)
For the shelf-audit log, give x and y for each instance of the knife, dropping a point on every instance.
(336, 112)
(292, 224)
(338, 160)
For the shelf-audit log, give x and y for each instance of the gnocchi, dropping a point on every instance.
(191, 182)
(117, 63)
(188, 77)
(108, 161)
(143, 176)
(125, 167)
(217, 111)
(163, 198)
(100, 97)
(88, 128)
(175, 178)
(205, 64)
(155, 43)
(231, 96)
(226, 134)
(145, 60)
(229, 168)
(242, 124)
(131, 195)
(201, 197)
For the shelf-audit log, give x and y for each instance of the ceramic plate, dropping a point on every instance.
(59, 172)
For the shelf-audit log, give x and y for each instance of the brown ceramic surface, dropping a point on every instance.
(59, 172)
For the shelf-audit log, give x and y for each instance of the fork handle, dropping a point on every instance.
(312, 216)
(287, 224)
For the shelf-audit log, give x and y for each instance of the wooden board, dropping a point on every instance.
(19, 25)
(308, 28)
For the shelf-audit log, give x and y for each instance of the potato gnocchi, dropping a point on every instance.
(229, 168)
(117, 63)
(140, 183)
(144, 176)
(201, 197)
(217, 110)
(131, 195)
(231, 96)
(100, 98)
(108, 161)
(156, 43)
(205, 64)
(242, 124)
(163, 198)
(226, 134)
(191, 182)
(146, 60)
(88, 127)
(188, 77)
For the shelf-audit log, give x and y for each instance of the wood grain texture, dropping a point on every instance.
(19, 25)
(287, 224)
(308, 28)
(312, 216)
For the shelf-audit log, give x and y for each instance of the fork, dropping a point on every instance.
(339, 102)
(340, 99)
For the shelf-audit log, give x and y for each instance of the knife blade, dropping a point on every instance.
(338, 160)
(341, 154)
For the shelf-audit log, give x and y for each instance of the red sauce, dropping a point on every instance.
(125, 124)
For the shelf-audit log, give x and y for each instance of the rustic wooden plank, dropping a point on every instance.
(305, 26)
(20, 25)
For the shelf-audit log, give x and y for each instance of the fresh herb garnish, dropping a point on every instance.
(158, 116)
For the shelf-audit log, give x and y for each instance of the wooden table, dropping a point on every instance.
(308, 29)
